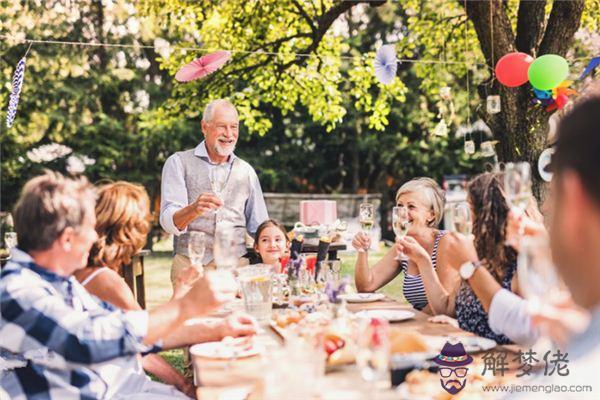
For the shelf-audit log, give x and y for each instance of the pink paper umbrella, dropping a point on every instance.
(202, 66)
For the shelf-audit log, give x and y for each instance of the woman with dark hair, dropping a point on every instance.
(490, 209)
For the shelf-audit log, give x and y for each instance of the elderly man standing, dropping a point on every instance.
(189, 203)
(71, 345)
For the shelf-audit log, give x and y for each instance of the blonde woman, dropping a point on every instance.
(122, 224)
(430, 282)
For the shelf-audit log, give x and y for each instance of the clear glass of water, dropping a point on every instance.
(196, 248)
(401, 225)
(373, 353)
(461, 217)
(366, 218)
(256, 283)
(10, 240)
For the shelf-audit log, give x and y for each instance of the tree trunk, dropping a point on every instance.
(520, 127)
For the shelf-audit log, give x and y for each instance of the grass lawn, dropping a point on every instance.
(158, 283)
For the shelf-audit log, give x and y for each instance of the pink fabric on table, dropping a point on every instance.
(318, 212)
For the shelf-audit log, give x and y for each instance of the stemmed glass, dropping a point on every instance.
(461, 217)
(372, 357)
(10, 240)
(401, 225)
(224, 243)
(366, 219)
(217, 183)
(538, 280)
(196, 248)
(517, 184)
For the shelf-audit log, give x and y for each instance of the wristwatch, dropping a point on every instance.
(468, 269)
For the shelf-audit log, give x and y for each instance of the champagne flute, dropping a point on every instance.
(538, 280)
(224, 243)
(10, 240)
(196, 248)
(461, 217)
(372, 357)
(366, 219)
(517, 184)
(401, 225)
(217, 183)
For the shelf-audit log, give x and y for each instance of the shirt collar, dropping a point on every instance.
(26, 261)
(200, 151)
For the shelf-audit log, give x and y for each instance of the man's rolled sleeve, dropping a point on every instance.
(173, 194)
(508, 315)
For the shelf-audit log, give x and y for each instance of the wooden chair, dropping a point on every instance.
(133, 273)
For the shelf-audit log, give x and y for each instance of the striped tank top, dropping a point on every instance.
(413, 287)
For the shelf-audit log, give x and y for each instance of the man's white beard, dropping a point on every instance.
(224, 152)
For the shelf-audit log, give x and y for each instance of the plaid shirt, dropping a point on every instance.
(71, 345)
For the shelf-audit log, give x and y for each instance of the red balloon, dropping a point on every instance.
(511, 69)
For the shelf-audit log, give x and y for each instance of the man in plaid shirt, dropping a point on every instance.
(67, 343)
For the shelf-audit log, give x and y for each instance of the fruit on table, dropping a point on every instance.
(333, 343)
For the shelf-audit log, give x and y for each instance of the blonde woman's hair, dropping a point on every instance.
(433, 193)
(122, 223)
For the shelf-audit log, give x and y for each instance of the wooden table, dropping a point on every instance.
(345, 382)
(133, 273)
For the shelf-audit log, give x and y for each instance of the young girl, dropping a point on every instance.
(271, 243)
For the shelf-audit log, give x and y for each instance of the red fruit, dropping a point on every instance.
(330, 347)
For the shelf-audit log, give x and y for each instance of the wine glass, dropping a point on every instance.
(517, 184)
(461, 217)
(196, 248)
(372, 357)
(401, 225)
(224, 243)
(217, 181)
(366, 218)
(538, 280)
(10, 240)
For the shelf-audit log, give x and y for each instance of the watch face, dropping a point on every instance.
(466, 270)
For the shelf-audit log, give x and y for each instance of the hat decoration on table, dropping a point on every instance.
(203, 66)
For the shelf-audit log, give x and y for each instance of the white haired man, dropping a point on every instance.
(188, 202)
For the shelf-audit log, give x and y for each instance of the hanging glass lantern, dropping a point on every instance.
(487, 148)
(493, 105)
(469, 146)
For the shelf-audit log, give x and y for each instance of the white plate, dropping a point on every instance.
(390, 315)
(225, 351)
(472, 344)
(362, 297)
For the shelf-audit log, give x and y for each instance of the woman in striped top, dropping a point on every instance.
(430, 282)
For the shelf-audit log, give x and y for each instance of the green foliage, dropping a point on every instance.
(316, 122)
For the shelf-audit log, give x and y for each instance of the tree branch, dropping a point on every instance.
(305, 16)
(564, 21)
(530, 25)
(503, 38)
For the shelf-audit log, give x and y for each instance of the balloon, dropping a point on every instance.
(511, 69)
(542, 94)
(547, 71)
